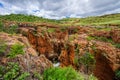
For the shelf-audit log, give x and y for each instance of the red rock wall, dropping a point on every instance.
(102, 69)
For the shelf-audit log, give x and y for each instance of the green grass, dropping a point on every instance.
(95, 20)
(15, 50)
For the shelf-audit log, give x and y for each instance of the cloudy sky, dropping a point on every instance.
(57, 9)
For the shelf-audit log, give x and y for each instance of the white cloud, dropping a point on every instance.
(56, 9)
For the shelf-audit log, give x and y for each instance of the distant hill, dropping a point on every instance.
(111, 19)
(94, 20)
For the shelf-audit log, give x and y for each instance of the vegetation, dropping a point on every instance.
(51, 30)
(104, 39)
(98, 21)
(10, 29)
(1, 27)
(25, 18)
(117, 74)
(38, 76)
(88, 61)
(56, 73)
(117, 45)
(12, 72)
(104, 20)
(15, 50)
(2, 47)
(91, 77)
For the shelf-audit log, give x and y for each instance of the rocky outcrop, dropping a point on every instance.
(57, 46)
(29, 61)
(67, 56)
(40, 42)
(115, 34)
(103, 71)
(106, 61)
(106, 57)
(46, 43)
(102, 33)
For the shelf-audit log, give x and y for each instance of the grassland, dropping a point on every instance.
(105, 20)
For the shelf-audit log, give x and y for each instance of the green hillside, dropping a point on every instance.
(97, 20)
(111, 19)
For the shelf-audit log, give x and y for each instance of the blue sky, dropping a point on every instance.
(1, 5)
(57, 9)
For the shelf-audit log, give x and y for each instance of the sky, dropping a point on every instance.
(58, 9)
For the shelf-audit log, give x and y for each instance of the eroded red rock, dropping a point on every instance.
(115, 34)
(67, 56)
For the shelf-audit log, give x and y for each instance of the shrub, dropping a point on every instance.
(50, 30)
(2, 47)
(38, 76)
(11, 29)
(117, 45)
(15, 50)
(63, 29)
(89, 38)
(91, 77)
(58, 73)
(23, 76)
(1, 27)
(87, 60)
(12, 71)
(117, 74)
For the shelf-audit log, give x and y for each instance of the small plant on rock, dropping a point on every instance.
(87, 60)
(15, 50)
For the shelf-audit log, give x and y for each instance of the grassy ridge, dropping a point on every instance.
(113, 19)
(25, 18)
(97, 20)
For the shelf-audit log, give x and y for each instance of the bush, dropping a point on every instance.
(2, 47)
(38, 76)
(12, 71)
(1, 27)
(87, 60)
(15, 50)
(11, 29)
(63, 28)
(23, 76)
(51, 30)
(57, 73)
(117, 74)
(117, 45)
(91, 77)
